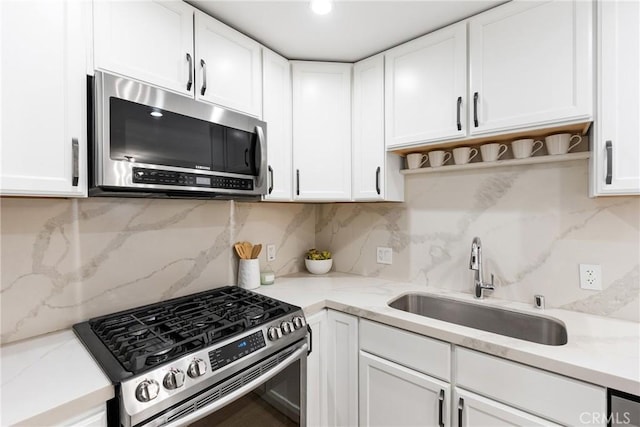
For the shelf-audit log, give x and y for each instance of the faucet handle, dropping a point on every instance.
(491, 284)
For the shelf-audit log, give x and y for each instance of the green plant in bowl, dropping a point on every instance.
(318, 262)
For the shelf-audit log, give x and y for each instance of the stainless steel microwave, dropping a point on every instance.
(148, 142)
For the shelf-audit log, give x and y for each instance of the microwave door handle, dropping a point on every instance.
(263, 157)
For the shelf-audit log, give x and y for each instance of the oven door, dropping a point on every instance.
(271, 392)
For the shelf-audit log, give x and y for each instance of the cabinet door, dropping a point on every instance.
(531, 65)
(617, 124)
(392, 395)
(342, 367)
(373, 177)
(317, 371)
(322, 131)
(151, 41)
(43, 84)
(425, 86)
(277, 113)
(229, 66)
(96, 417)
(475, 410)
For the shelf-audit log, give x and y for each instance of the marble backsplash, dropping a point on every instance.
(537, 224)
(64, 260)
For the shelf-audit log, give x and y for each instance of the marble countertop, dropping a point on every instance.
(49, 379)
(600, 350)
(38, 388)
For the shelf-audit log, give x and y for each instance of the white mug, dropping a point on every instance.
(438, 158)
(463, 155)
(559, 143)
(523, 148)
(492, 152)
(416, 160)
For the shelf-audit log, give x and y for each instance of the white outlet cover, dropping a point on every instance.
(384, 255)
(591, 277)
(271, 252)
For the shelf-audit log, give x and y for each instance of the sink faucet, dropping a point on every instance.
(475, 263)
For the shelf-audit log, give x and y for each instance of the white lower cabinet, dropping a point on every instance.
(473, 410)
(392, 395)
(342, 368)
(96, 417)
(317, 371)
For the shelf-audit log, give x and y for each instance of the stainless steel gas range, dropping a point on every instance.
(185, 359)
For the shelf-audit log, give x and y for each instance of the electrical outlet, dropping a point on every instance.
(271, 252)
(591, 277)
(384, 255)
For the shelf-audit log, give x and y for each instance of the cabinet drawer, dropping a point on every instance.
(414, 351)
(548, 395)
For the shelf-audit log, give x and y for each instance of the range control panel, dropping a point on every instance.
(183, 179)
(238, 349)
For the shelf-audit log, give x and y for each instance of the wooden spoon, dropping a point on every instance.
(247, 247)
(256, 251)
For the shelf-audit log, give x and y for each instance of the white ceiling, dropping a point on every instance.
(354, 30)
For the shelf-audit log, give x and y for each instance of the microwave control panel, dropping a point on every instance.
(183, 179)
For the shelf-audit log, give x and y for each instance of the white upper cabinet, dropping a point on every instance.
(376, 174)
(150, 41)
(229, 68)
(426, 89)
(276, 110)
(615, 167)
(321, 131)
(530, 65)
(44, 106)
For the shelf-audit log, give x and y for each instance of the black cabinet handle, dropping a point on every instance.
(310, 339)
(270, 179)
(460, 410)
(475, 109)
(75, 162)
(297, 182)
(441, 409)
(204, 77)
(458, 113)
(378, 180)
(609, 177)
(190, 81)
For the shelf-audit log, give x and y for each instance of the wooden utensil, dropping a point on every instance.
(247, 247)
(239, 250)
(256, 251)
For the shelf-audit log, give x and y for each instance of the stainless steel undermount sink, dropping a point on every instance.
(528, 327)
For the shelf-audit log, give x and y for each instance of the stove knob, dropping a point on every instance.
(147, 390)
(298, 322)
(273, 333)
(197, 368)
(174, 379)
(287, 327)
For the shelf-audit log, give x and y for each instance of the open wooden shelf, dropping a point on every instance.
(510, 162)
(580, 128)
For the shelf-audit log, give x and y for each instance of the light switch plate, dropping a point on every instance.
(591, 277)
(384, 255)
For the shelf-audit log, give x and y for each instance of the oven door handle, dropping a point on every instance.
(262, 167)
(214, 406)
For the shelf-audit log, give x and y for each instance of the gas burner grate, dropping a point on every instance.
(147, 336)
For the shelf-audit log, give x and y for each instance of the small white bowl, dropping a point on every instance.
(318, 266)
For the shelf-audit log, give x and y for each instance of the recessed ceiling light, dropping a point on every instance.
(321, 7)
(156, 114)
